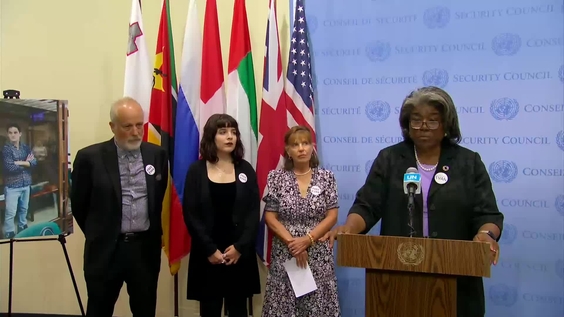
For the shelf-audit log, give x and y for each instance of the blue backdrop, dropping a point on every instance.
(502, 62)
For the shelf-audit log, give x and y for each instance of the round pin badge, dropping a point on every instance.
(445, 168)
(441, 178)
(243, 178)
(315, 190)
(150, 169)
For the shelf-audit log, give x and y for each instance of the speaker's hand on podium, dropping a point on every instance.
(494, 246)
(332, 234)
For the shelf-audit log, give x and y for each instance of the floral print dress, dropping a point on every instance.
(299, 216)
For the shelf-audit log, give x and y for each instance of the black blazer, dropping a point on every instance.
(197, 204)
(456, 209)
(96, 198)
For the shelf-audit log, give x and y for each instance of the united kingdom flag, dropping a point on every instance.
(272, 124)
(299, 81)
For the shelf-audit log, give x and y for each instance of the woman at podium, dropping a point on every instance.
(451, 196)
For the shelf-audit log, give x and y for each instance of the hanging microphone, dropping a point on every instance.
(411, 187)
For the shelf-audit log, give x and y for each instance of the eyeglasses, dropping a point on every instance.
(418, 124)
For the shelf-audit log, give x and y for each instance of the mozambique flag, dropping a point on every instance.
(162, 117)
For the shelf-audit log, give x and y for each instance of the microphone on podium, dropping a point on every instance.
(411, 187)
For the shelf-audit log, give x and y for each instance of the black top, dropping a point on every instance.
(456, 209)
(223, 197)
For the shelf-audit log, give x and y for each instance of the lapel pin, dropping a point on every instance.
(150, 169)
(445, 168)
(441, 178)
(243, 178)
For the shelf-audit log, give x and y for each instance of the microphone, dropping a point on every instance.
(412, 181)
(411, 187)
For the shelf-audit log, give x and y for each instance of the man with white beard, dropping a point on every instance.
(117, 191)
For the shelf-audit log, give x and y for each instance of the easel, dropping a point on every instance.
(62, 239)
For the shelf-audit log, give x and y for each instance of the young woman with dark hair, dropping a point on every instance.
(221, 209)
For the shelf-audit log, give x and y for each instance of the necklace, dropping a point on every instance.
(426, 169)
(222, 172)
(302, 174)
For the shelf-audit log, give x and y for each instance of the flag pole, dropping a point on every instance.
(176, 295)
(175, 275)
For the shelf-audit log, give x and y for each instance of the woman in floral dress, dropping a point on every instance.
(301, 207)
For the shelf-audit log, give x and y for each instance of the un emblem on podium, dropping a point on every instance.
(410, 253)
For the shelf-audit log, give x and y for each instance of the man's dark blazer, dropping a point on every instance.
(96, 199)
(456, 209)
(199, 218)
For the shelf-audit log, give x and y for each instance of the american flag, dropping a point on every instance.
(299, 83)
(272, 124)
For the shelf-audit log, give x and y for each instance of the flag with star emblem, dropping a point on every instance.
(299, 81)
(241, 93)
(272, 125)
(138, 72)
(161, 132)
(212, 90)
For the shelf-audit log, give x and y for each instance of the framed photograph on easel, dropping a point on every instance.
(34, 172)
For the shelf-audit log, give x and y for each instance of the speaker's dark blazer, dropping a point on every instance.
(199, 217)
(96, 199)
(456, 209)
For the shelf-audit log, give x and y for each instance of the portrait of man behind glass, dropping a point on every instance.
(18, 161)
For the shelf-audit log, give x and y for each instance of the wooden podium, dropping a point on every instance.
(412, 277)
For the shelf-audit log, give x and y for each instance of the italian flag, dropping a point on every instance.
(241, 93)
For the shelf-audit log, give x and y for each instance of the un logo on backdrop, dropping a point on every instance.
(435, 77)
(312, 23)
(561, 73)
(436, 17)
(378, 51)
(378, 110)
(503, 295)
(559, 204)
(506, 44)
(504, 108)
(560, 140)
(503, 171)
(508, 235)
(559, 268)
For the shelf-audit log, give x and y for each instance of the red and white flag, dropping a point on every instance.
(272, 124)
(212, 90)
(138, 81)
